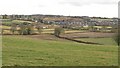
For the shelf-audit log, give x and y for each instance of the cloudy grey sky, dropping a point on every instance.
(103, 8)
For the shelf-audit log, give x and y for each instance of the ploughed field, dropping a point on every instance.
(47, 50)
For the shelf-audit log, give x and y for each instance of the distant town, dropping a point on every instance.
(59, 19)
(94, 24)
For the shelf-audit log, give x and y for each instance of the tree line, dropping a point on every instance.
(26, 28)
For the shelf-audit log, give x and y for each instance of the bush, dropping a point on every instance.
(58, 31)
(25, 29)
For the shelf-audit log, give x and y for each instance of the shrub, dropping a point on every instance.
(58, 31)
(25, 29)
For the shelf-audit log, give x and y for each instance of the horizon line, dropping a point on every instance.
(61, 15)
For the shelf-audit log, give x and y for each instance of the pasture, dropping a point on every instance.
(103, 41)
(21, 50)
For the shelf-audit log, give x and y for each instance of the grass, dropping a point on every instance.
(104, 41)
(22, 51)
(0, 51)
(20, 21)
(48, 31)
(51, 31)
(73, 31)
(9, 22)
(5, 27)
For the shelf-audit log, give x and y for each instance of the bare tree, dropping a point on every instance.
(39, 27)
(30, 29)
(13, 28)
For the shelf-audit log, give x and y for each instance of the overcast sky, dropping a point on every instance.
(103, 8)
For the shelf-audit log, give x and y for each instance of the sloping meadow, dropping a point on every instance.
(26, 51)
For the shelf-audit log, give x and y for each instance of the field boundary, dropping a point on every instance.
(79, 41)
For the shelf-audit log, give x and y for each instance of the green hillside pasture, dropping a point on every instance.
(48, 31)
(51, 31)
(74, 31)
(4, 27)
(9, 22)
(104, 41)
(23, 51)
(20, 21)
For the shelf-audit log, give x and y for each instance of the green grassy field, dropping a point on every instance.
(24, 51)
(9, 22)
(103, 41)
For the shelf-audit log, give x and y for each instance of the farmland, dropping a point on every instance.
(36, 43)
(28, 51)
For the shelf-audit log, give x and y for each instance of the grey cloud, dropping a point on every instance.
(88, 2)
